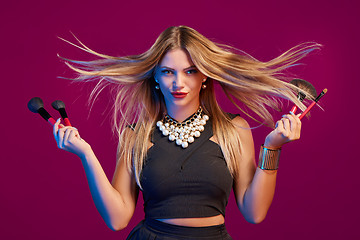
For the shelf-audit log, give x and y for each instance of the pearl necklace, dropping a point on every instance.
(185, 132)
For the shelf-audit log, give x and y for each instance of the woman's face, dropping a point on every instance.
(180, 81)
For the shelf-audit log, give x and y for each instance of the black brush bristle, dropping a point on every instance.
(58, 104)
(35, 104)
(306, 86)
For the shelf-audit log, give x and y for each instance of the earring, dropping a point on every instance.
(157, 87)
(203, 86)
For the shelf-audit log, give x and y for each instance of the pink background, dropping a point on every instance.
(43, 191)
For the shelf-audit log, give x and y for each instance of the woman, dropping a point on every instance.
(175, 142)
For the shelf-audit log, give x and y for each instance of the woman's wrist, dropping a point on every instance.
(269, 158)
(87, 155)
(271, 146)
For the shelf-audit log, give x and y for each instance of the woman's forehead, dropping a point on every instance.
(176, 58)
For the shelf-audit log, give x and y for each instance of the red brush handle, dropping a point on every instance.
(67, 122)
(294, 108)
(52, 122)
(307, 110)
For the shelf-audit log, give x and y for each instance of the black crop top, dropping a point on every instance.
(185, 183)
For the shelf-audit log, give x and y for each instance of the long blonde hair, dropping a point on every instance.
(243, 78)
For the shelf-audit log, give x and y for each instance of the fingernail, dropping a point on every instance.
(292, 113)
(283, 115)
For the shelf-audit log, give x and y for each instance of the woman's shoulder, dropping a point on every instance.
(238, 121)
(232, 115)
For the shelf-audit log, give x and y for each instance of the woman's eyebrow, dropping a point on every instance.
(193, 66)
(167, 67)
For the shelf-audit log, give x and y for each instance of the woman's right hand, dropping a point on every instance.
(68, 139)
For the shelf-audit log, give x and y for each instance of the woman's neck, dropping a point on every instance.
(180, 113)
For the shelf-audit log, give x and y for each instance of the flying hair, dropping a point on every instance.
(138, 105)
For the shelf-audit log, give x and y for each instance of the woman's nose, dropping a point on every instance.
(178, 81)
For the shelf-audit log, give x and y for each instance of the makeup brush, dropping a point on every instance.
(313, 103)
(36, 105)
(306, 87)
(60, 106)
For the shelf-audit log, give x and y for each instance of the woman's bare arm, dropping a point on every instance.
(254, 188)
(115, 202)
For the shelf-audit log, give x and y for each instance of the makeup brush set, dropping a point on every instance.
(36, 105)
(306, 87)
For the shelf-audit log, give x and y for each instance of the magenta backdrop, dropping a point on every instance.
(44, 193)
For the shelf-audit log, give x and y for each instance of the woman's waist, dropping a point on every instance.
(195, 221)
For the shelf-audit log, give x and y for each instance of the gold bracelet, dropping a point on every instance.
(269, 158)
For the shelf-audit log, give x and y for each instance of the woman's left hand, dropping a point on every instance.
(287, 129)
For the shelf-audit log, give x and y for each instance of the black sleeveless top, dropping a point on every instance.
(185, 183)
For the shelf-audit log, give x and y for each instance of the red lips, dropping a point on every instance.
(179, 94)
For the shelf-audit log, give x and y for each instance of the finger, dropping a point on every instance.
(77, 134)
(298, 124)
(280, 126)
(66, 135)
(298, 117)
(294, 116)
(74, 133)
(60, 136)
(295, 126)
(287, 127)
(71, 136)
(56, 127)
(292, 121)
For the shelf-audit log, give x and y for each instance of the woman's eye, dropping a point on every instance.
(191, 71)
(166, 72)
